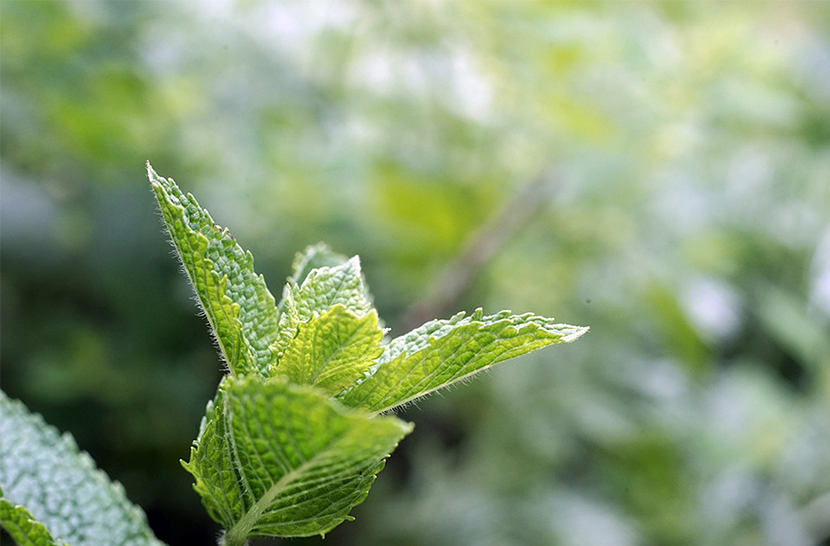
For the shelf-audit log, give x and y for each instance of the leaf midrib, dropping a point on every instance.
(409, 396)
(238, 533)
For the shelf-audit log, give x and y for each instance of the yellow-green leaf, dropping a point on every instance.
(442, 352)
(333, 350)
(279, 459)
(239, 307)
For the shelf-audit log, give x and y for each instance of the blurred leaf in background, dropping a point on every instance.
(683, 212)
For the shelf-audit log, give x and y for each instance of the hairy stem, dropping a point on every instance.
(226, 540)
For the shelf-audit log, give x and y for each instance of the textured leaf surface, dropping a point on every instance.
(333, 350)
(324, 287)
(444, 351)
(22, 526)
(277, 459)
(314, 257)
(321, 289)
(241, 311)
(45, 473)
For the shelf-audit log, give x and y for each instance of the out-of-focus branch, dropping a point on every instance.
(484, 244)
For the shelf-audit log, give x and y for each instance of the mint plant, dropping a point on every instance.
(301, 424)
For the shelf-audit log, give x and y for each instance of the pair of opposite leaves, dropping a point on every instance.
(294, 439)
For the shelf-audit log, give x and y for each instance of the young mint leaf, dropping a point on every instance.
(333, 350)
(278, 459)
(240, 309)
(314, 257)
(60, 488)
(321, 289)
(442, 352)
(324, 287)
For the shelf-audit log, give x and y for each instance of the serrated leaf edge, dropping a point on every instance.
(445, 327)
(85, 460)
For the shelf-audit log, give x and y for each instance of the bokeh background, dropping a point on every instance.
(657, 170)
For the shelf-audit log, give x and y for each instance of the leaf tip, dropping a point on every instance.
(151, 173)
(576, 333)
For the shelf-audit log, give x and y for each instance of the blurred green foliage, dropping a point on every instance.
(686, 219)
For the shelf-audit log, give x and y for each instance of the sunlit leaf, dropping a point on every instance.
(278, 459)
(442, 352)
(321, 289)
(333, 350)
(240, 309)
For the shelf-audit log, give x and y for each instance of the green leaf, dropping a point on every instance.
(321, 289)
(22, 526)
(442, 352)
(240, 309)
(278, 459)
(60, 488)
(314, 257)
(333, 350)
(324, 287)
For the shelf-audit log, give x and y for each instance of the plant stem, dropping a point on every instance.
(226, 540)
